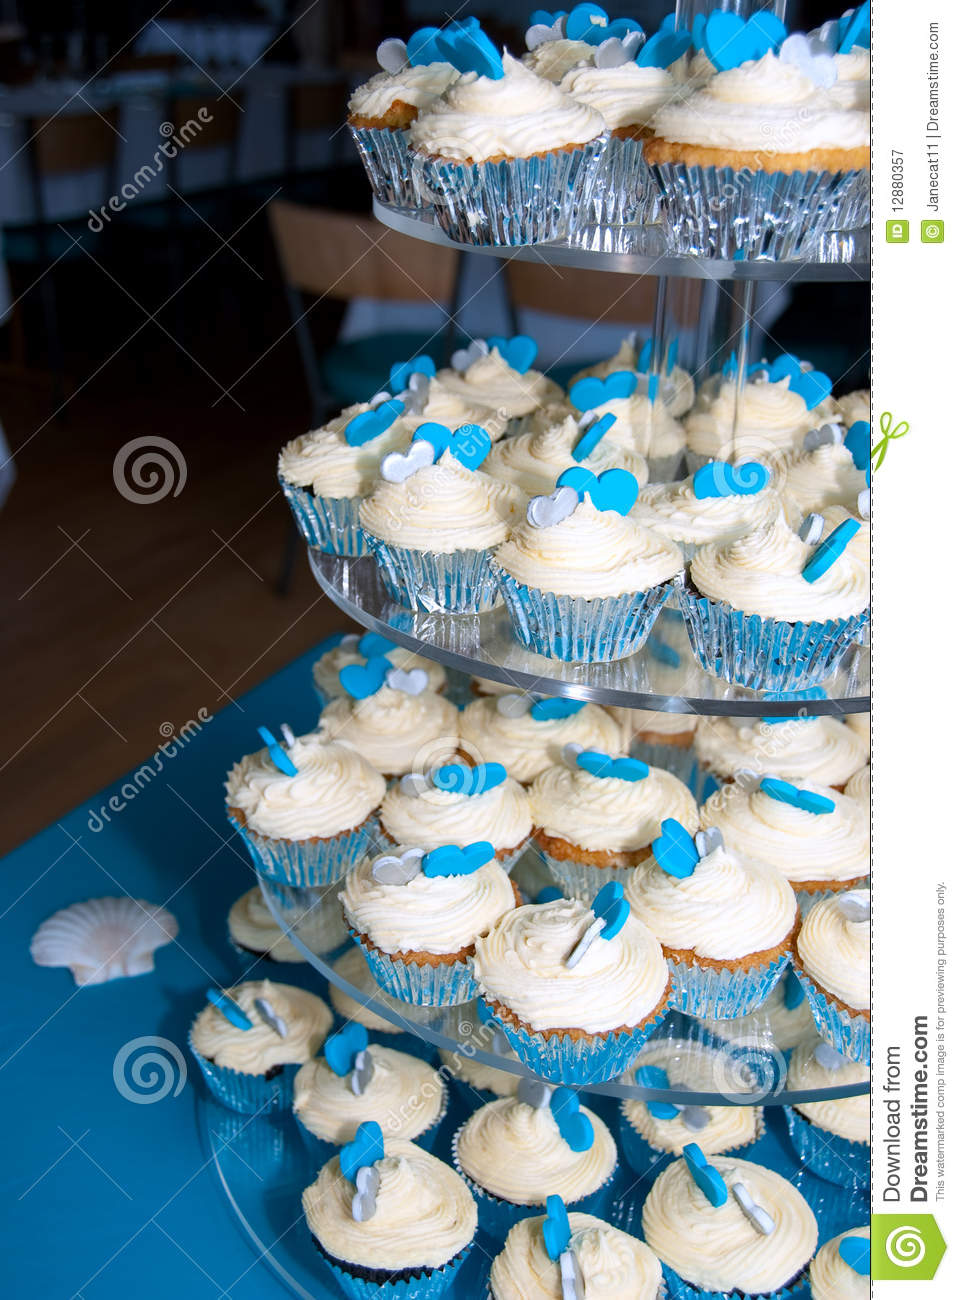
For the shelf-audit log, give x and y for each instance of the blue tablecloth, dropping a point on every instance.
(103, 1196)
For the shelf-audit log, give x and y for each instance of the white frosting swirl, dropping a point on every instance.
(335, 789)
(804, 846)
(533, 462)
(489, 383)
(835, 951)
(515, 1151)
(324, 461)
(590, 553)
(801, 749)
(831, 1278)
(825, 477)
(252, 927)
(258, 1049)
(673, 510)
(643, 427)
(516, 116)
(761, 573)
(852, 86)
(848, 1117)
(391, 727)
(764, 106)
(404, 1096)
(765, 420)
(627, 95)
(424, 1216)
(614, 1265)
(444, 406)
(439, 914)
(552, 60)
(729, 907)
(854, 406)
(717, 1248)
(443, 507)
(526, 745)
(635, 722)
(858, 788)
(352, 966)
(434, 817)
(417, 86)
(676, 389)
(521, 964)
(605, 813)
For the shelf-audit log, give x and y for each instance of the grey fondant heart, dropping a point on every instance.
(512, 706)
(465, 357)
(811, 529)
(392, 54)
(414, 784)
(364, 1204)
(853, 908)
(540, 32)
(542, 512)
(611, 53)
(758, 1217)
(572, 1286)
(694, 1118)
(828, 435)
(580, 951)
(571, 750)
(748, 780)
(412, 682)
(708, 841)
(534, 1093)
(863, 504)
(399, 465)
(287, 733)
(826, 1054)
(267, 1013)
(361, 1074)
(394, 869)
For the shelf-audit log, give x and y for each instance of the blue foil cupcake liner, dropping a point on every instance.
(728, 212)
(624, 192)
(678, 1289)
(765, 653)
(849, 1034)
(446, 985)
(642, 1157)
(582, 879)
(722, 994)
(514, 201)
(578, 630)
(428, 1284)
(330, 524)
(563, 1058)
(308, 862)
(807, 897)
(247, 1093)
(456, 582)
(837, 1159)
(680, 760)
(386, 157)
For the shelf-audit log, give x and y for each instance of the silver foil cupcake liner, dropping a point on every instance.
(837, 1159)
(848, 1033)
(679, 760)
(624, 192)
(454, 582)
(308, 862)
(385, 154)
(446, 985)
(765, 653)
(331, 524)
(582, 879)
(578, 630)
(514, 201)
(722, 994)
(734, 213)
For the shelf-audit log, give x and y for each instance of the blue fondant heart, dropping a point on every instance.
(583, 19)
(704, 1175)
(786, 366)
(281, 759)
(556, 1228)
(726, 41)
(675, 850)
(370, 424)
(806, 800)
(830, 550)
(470, 49)
(651, 1076)
(605, 765)
(518, 352)
(365, 1149)
(857, 442)
(855, 1253)
(719, 479)
(451, 860)
(855, 30)
(813, 386)
(575, 1128)
(617, 30)
(340, 1049)
(549, 894)
(458, 778)
(662, 653)
(697, 29)
(645, 356)
(673, 349)
(793, 993)
(591, 436)
(548, 710)
(233, 1011)
(544, 17)
(372, 644)
(614, 489)
(470, 444)
(611, 907)
(587, 393)
(438, 436)
(401, 371)
(425, 46)
(663, 48)
(361, 680)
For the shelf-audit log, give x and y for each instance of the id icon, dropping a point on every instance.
(898, 232)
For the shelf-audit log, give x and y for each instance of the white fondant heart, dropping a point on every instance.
(378, 399)
(397, 869)
(571, 750)
(853, 908)
(398, 466)
(821, 69)
(463, 358)
(364, 1204)
(414, 682)
(543, 512)
(414, 784)
(512, 706)
(286, 732)
(758, 1217)
(826, 1054)
(572, 1285)
(392, 54)
(708, 841)
(361, 1074)
(863, 503)
(275, 1021)
(611, 53)
(540, 32)
(532, 1092)
(580, 950)
(811, 529)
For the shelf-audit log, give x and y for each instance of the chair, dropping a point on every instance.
(313, 106)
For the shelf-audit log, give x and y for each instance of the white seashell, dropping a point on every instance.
(104, 938)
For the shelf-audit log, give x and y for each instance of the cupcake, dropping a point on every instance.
(781, 1021)
(246, 1039)
(852, 87)
(253, 931)
(581, 581)
(660, 739)
(643, 424)
(840, 1272)
(352, 649)
(484, 380)
(580, 1023)
(532, 462)
(676, 389)
(823, 474)
(418, 934)
(726, 923)
(833, 963)
(479, 1082)
(506, 157)
(527, 736)
(719, 503)
(613, 1264)
(858, 788)
(769, 611)
(854, 406)
(306, 821)
(596, 816)
(432, 529)
(395, 727)
(356, 1081)
(379, 116)
(831, 1137)
(459, 805)
(743, 1257)
(650, 1128)
(420, 1230)
(760, 161)
(765, 420)
(353, 968)
(515, 1153)
(859, 724)
(325, 474)
(819, 749)
(820, 844)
